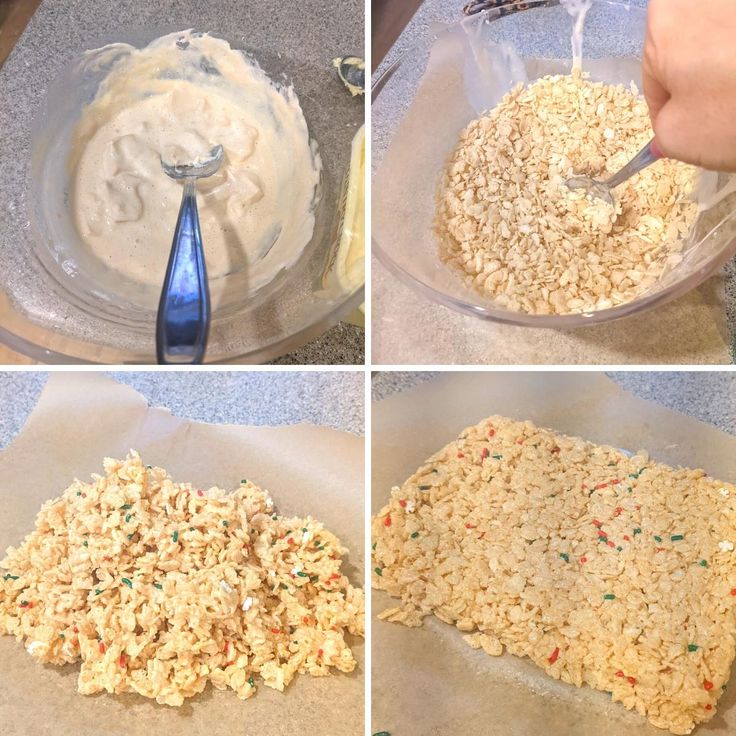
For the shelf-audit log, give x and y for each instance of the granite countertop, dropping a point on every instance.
(698, 328)
(709, 396)
(62, 28)
(332, 398)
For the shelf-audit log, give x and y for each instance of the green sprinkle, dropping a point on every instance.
(314, 578)
(608, 597)
(611, 465)
(382, 733)
(24, 603)
(274, 517)
(497, 457)
(378, 571)
(629, 489)
(225, 522)
(79, 493)
(284, 586)
(677, 537)
(10, 577)
(175, 536)
(130, 536)
(374, 546)
(618, 549)
(98, 591)
(692, 647)
(434, 470)
(192, 529)
(127, 506)
(302, 575)
(424, 488)
(85, 543)
(243, 481)
(304, 529)
(551, 495)
(158, 585)
(657, 539)
(127, 582)
(251, 682)
(149, 467)
(415, 535)
(61, 636)
(565, 556)
(128, 517)
(637, 530)
(703, 563)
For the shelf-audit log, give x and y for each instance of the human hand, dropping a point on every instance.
(689, 75)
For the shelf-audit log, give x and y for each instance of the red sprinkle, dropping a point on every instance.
(402, 503)
(602, 535)
(461, 454)
(200, 493)
(659, 549)
(619, 674)
(627, 537)
(387, 520)
(75, 630)
(597, 524)
(733, 591)
(485, 453)
(227, 646)
(615, 482)
(553, 657)
(275, 631)
(618, 510)
(638, 507)
(707, 684)
(291, 541)
(631, 680)
(610, 543)
(601, 485)
(320, 653)
(102, 647)
(709, 707)
(334, 576)
(121, 660)
(583, 560)
(491, 432)
(470, 526)
(520, 441)
(555, 450)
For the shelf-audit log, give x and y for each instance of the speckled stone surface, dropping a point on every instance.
(333, 399)
(312, 33)
(709, 396)
(696, 329)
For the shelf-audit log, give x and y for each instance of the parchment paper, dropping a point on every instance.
(428, 682)
(83, 417)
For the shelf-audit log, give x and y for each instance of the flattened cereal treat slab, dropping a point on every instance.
(605, 570)
(159, 588)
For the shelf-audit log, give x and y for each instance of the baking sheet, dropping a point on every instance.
(83, 417)
(427, 681)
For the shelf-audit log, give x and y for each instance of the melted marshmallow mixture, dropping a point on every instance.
(177, 98)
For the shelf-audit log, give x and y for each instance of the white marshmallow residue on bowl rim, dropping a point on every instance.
(177, 98)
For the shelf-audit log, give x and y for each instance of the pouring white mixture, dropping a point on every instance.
(176, 98)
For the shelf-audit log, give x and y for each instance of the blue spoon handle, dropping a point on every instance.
(183, 318)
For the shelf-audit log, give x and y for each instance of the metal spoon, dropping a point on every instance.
(183, 320)
(604, 189)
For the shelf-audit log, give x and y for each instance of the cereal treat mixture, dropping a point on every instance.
(605, 570)
(159, 588)
(507, 221)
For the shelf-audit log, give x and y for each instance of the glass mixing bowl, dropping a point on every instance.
(68, 308)
(423, 100)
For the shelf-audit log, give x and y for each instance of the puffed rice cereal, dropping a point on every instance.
(509, 224)
(159, 588)
(605, 570)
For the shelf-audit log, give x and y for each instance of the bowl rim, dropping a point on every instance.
(523, 319)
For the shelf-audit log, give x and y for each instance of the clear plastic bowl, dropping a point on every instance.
(70, 310)
(415, 128)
